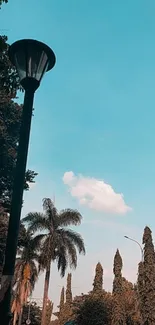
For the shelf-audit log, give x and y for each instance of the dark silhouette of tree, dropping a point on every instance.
(69, 289)
(34, 312)
(26, 274)
(92, 311)
(118, 310)
(141, 289)
(146, 280)
(62, 299)
(65, 312)
(3, 235)
(98, 280)
(49, 310)
(132, 312)
(1, 1)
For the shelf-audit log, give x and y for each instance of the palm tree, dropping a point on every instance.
(58, 243)
(26, 274)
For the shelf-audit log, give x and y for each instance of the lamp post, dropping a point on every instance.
(135, 241)
(31, 59)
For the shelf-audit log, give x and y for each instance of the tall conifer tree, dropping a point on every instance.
(98, 280)
(118, 312)
(146, 280)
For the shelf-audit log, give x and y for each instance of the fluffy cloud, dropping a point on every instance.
(95, 194)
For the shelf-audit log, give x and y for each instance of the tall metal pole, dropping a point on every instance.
(135, 241)
(15, 211)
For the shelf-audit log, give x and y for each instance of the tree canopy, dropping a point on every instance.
(1, 1)
(92, 311)
(58, 243)
(34, 313)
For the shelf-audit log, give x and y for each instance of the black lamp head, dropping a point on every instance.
(31, 59)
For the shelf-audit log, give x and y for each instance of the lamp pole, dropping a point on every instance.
(135, 241)
(32, 59)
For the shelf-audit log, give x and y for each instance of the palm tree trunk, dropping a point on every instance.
(15, 318)
(45, 298)
(22, 304)
(20, 316)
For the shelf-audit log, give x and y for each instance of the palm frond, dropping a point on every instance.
(36, 222)
(69, 217)
(34, 274)
(31, 217)
(55, 242)
(70, 250)
(75, 238)
(71, 253)
(62, 261)
(37, 241)
(26, 272)
(49, 207)
(46, 253)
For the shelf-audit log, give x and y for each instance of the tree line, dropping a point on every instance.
(127, 304)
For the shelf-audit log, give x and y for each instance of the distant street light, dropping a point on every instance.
(31, 59)
(135, 241)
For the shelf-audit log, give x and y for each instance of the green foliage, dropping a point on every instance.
(57, 243)
(25, 268)
(35, 314)
(146, 281)
(118, 310)
(92, 312)
(117, 269)
(9, 80)
(1, 1)
(25, 275)
(132, 313)
(141, 289)
(65, 310)
(49, 309)
(62, 299)
(4, 219)
(98, 280)
(69, 289)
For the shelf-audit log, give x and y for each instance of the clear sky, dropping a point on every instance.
(93, 130)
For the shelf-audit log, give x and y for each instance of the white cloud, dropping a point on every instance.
(95, 194)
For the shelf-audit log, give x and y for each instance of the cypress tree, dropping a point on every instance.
(98, 280)
(132, 314)
(49, 310)
(148, 279)
(62, 299)
(59, 314)
(118, 312)
(69, 289)
(141, 289)
(65, 309)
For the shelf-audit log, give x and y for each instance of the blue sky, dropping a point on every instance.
(94, 116)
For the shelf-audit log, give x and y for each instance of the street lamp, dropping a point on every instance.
(135, 241)
(31, 59)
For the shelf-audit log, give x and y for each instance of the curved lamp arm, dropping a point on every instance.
(135, 241)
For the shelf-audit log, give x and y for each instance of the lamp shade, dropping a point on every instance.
(31, 59)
